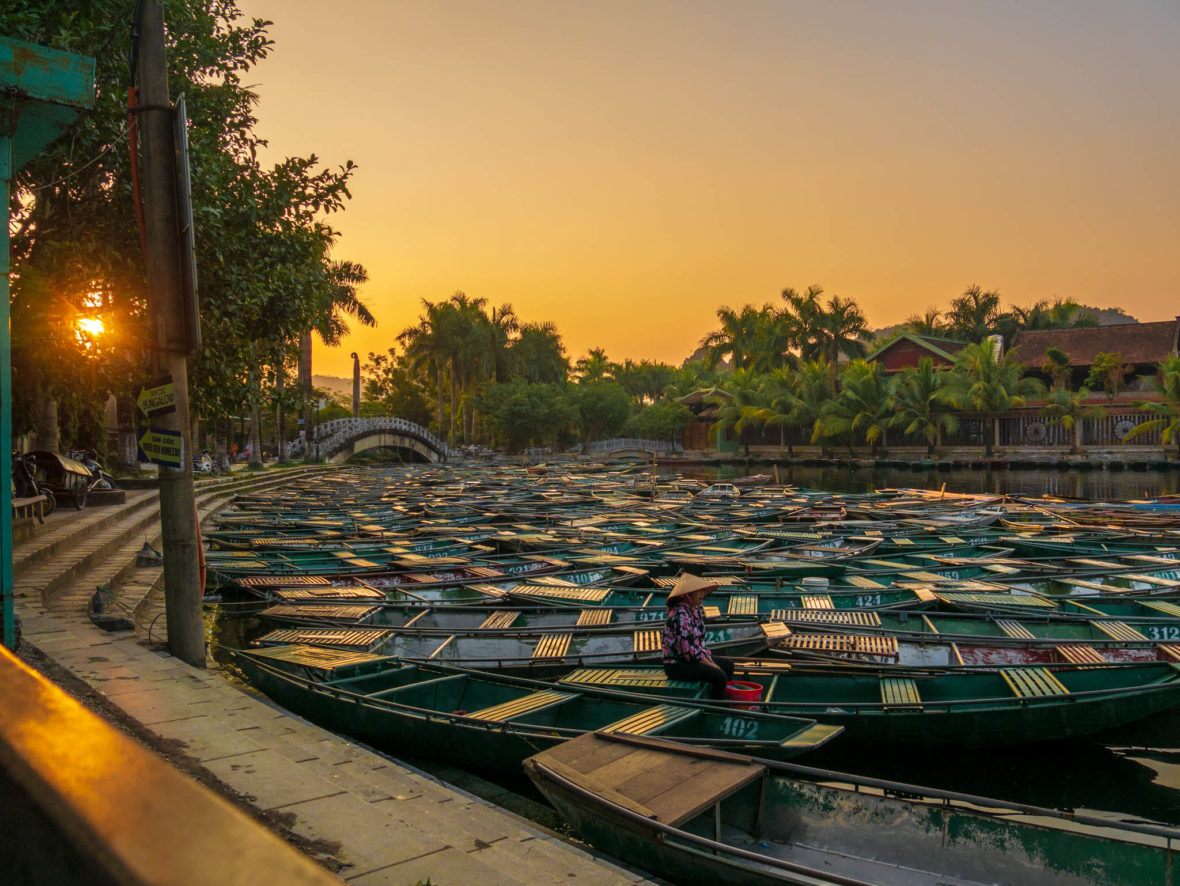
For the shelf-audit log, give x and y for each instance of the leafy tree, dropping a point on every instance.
(662, 420)
(391, 388)
(647, 380)
(862, 409)
(603, 409)
(972, 315)
(981, 383)
(740, 409)
(595, 366)
(930, 323)
(539, 354)
(522, 413)
(1110, 373)
(920, 409)
(1166, 409)
(1056, 366)
(1067, 408)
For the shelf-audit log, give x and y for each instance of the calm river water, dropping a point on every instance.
(1096, 485)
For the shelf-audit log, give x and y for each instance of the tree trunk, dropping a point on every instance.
(280, 416)
(48, 431)
(255, 436)
(994, 438)
(305, 391)
(356, 385)
(451, 432)
(439, 390)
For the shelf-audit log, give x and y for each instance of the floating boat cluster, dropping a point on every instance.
(488, 615)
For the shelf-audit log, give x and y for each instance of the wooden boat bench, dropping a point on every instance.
(817, 601)
(552, 646)
(900, 694)
(643, 679)
(1079, 653)
(1033, 682)
(32, 506)
(593, 617)
(652, 721)
(498, 621)
(645, 641)
(1119, 630)
(742, 605)
(518, 707)
(1014, 629)
(828, 617)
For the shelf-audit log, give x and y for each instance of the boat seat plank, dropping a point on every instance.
(1119, 630)
(652, 720)
(518, 707)
(900, 694)
(860, 581)
(572, 592)
(1097, 564)
(1014, 629)
(817, 601)
(1033, 682)
(1163, 606)
(1169, 652)
(645, 641)
(1079, 653)
(815, 642)
(828, 617)
(498, 621)
(925, 595)
(775, 630)
(742, 605)
(342, 638)
(592, 617)
(649, 679)
(1153, 580)
(552, 646)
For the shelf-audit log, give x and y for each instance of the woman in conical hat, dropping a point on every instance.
(686, 657)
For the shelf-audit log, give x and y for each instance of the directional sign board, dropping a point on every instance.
(161, 447)
(157, 397)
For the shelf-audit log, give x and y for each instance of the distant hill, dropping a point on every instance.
(333, 384)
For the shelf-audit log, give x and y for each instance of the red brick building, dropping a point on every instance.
(907, 349)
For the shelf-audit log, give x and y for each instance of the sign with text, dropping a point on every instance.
(157, 397)
(161, 447)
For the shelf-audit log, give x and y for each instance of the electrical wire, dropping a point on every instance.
(114, 143)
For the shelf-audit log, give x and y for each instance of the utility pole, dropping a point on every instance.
(178, 512)
(356, 385)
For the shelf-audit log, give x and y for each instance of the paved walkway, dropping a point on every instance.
(383, 822)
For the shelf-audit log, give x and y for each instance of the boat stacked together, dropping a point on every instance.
(485, 615)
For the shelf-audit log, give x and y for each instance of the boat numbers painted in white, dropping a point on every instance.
(868, 600)
(1168, 633)
(737, 727)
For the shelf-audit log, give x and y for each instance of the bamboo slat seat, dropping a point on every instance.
(591, 617)
(817, 601)
(518, 707)
(1118, 630)
(814, 642)
(828, 617)
(1033, 682)
(645, 641)
(775, 630)
(859, 581)
(1153, 580)
(1169, 651)
(743, 605)
(900, 694)
(552, 646)
(573, 592)
(651, 720)
(268, 581)
(498, 621)
(1014, 629)
(1079, 653)
(625, 677)
(1163, 606)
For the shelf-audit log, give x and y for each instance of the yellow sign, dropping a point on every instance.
(157, 397)
(162, 447)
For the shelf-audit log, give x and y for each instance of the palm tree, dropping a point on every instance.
(862, 408)
(740, 408)
(919, 408)
(540, 354)
(930, 323)
(973, 314)
(426, 347)
(981, 383)
(736, 338)
(1167, 408)
(595, 366)
(1065, 407)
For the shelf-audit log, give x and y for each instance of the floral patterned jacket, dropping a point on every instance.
(683, 636)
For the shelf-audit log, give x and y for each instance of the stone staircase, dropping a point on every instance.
(62, 563)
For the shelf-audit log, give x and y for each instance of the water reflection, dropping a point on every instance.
(1094, 485)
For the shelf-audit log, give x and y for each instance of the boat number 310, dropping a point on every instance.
(736, 727)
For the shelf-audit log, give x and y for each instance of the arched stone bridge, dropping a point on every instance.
(623, 445)
(336, 440)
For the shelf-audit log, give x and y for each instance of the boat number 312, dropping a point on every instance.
(1169, 633)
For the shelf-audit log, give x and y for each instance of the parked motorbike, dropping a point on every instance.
(205, 465)
(24, 481)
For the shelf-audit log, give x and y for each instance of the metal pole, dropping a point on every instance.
(8, 615)
(178, 518)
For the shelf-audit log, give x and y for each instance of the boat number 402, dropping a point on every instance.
(737, 727)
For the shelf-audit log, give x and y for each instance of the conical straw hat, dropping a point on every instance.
(686, 584)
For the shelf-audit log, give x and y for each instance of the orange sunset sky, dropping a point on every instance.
(625, 168)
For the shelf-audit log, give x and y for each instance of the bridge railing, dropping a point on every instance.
(333, 434)
(599, 446)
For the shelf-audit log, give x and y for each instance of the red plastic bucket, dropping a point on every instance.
(740, 690)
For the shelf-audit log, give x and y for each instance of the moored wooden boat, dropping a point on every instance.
(700, 817)
(492, 721)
